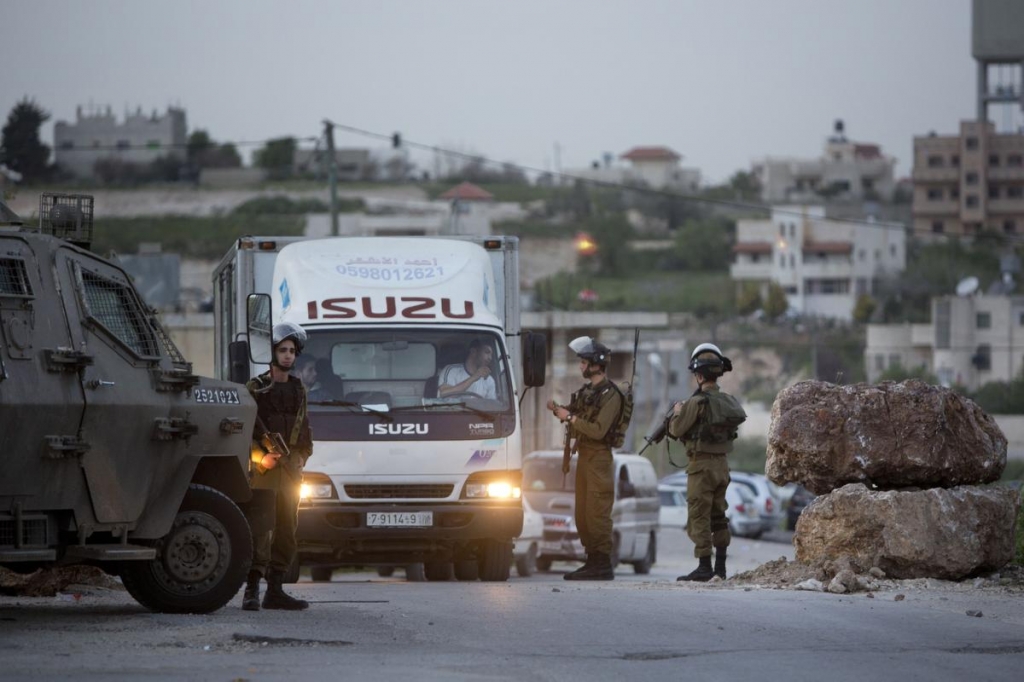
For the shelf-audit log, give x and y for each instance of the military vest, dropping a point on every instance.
(719, 423)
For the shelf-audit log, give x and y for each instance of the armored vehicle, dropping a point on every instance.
(113, 452)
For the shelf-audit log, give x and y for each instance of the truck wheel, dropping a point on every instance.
(438, 570)
(200, 563)
(321, 574)
(643, 567)
(495, 560)
(415, 573)
(467, 570)
(527, 565)
(385, 571)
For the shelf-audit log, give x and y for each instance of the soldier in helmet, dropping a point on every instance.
(592, 412)
(281, 401)
(706, 423)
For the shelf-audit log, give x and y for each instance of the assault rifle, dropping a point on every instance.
(271, 442)
(659, 433)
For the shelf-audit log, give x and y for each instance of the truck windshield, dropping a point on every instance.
(383, 370)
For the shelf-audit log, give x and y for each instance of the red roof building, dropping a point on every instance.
(467, 191)
(651, 154)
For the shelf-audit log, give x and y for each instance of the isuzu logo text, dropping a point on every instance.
(408, 307)
(398, 429)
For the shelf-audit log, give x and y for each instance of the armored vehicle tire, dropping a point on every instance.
(321, 574)
(526, 565)
(414, 573)
(438, 570)
(201, 562)
(495, 560)
(544, 564)
(643, 567)
(467, 570)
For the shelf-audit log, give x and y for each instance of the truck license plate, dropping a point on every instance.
(399, 519)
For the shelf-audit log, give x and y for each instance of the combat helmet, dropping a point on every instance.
(591, 350)
(289, 330)
(708, 361)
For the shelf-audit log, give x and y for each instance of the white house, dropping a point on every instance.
(656, 167)
(822, 264)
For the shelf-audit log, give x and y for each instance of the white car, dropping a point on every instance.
(769, 505)
(673, 512)
(527, 545)
(744, 521)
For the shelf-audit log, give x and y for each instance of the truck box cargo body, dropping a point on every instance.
(399, 473)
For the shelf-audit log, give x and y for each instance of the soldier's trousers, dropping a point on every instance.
(707, 478)
(276, 549)
(595, 494)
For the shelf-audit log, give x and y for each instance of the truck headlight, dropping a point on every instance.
(316, 487)
(493, 485)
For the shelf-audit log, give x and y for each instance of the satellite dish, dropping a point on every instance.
(967, 286)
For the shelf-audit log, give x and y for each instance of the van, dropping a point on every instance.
(634, 512)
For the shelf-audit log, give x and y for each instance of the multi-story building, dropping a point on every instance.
(845, 170)
(139, 139)
(971, 341)
(969, 182)
(823, 265)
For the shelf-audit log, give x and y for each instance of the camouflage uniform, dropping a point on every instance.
(596, 409)
(707, 477)
(282, 408)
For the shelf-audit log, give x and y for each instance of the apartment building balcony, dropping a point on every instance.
(940, 174)
(1005, 173)
(922, 335)
(1006, 206)
(945, 207)
(827, 270)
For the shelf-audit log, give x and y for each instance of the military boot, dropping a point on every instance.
(251, 598)
(586, 565)
(276, 597)
(600, 569)
(703, 572)
(720, 562)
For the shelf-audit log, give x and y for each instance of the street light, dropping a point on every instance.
(585, 244)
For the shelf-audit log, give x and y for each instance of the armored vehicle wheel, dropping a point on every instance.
(495, 560)
(415, 573)
(321, 574)
(643, 567)
(200, 563)
(438, 570)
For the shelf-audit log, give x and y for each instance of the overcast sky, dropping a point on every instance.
(721, 82)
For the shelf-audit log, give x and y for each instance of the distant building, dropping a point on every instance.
(823, 265)
(969, 182)
(845, 170)
(656, 167)
(971, 341)
(139, 139)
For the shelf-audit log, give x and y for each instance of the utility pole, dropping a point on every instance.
(332, 175)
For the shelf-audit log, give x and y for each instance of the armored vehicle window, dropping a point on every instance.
(13, 278)
(112, 305)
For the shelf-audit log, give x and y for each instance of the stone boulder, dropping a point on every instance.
(889, 435)
(935, 533)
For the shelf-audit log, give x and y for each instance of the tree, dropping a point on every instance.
(276, 157)
(749, 298)
(702, 245)
(864, 308)
(775, 303)
(20, 147)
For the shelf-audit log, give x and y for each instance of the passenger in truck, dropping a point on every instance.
(309, 371)
(472, 376)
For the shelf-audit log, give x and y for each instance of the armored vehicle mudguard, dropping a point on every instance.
(113, 452)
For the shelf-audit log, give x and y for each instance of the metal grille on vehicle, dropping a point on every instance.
(13, 278)
(112, 305)
(33, 533)
(407, 491)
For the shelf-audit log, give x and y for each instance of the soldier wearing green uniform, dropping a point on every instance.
(706, 423)
(590, 416)
(281, 408)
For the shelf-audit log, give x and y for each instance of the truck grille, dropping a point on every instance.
(389, 492)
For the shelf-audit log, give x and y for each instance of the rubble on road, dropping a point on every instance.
(48, 582)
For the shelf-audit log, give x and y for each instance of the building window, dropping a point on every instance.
(954, 161)
(892, 250)
(971, 143)
(983, 320)
(1009, 227)
(954, 193)
(792, 260)
(971, 201)
(1020, 319)
(827, 286)
(880, 362)
(790, 290)
(792, 230)
(993, 159)
(894, 360)
(971, 178)
(982, 358)
(782, 261)
(755, 258)
(938, 227)
(934, 194)
(1014, 160)
(1014, 192)
(935, 161)
(861, 286)
(782, 230)
(867, 183)
(861, 254)
(993, 192)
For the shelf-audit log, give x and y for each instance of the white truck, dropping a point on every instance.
(404, 471)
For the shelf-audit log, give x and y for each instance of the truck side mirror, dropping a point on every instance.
(535, 358)
(259, 327)
(238, 362)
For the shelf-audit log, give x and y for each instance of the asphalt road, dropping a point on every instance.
(361, 626)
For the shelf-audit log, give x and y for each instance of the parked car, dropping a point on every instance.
(798, 499)
(634, 511)
(673, 512)
(769, 506)
(527, 545)
(744, 520)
